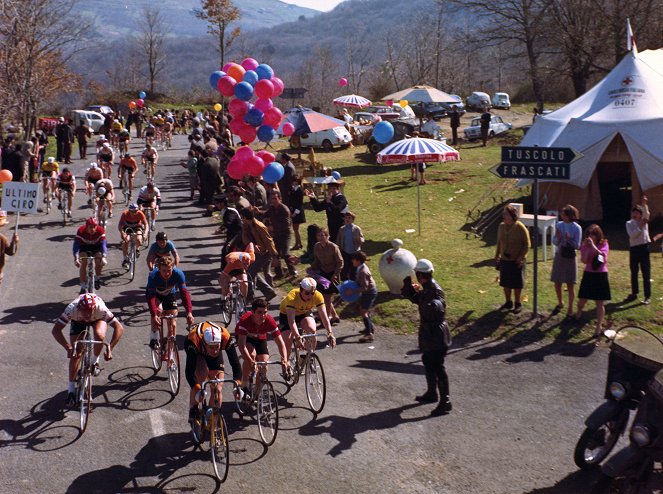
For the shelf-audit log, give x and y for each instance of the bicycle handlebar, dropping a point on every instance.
(92, 342)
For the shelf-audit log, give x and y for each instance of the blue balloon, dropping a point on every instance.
(266, 133)
(264, 71)
(273, 172)
(383, 132)
(251, 77)
(243, 91)
(142, 95)
(336, 175)
(254, 117)
(214, 79)
(349, 291)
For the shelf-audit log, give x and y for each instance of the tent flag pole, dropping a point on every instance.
(418, 200)
(535, 243)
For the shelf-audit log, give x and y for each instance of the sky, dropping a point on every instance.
(323, 5)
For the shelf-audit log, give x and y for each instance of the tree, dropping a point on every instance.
(151, 42)
(220, 15)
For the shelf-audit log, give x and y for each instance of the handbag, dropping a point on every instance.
(568, 251)
(598, 261)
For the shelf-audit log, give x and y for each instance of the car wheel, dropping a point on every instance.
(492, 133)
(327, 146)
(374, 147)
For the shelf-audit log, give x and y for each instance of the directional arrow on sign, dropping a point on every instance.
(536, 155)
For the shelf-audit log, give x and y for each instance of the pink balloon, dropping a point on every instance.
(263, 104)
(288, 129)
(264, 88)
(236, 125)
(249, 64)
(238, 108)
(278, 86)
(390, 103)
(140, 102)
(266, 157)
(226, 86)
(254, 166)
(272, 117)
(227, 66)
(247, 134)
(243, 153)
(235, 169)
(341, 82)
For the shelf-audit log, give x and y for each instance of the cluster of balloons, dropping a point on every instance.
(247, 162)
(140, 102)
(383, 132)
(242, 82)
(402, 103)
(5, 176)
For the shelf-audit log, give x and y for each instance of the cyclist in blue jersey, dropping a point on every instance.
(162, 247)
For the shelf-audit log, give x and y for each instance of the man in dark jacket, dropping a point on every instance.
(434, 335)
(485, 124)
(454, 123)
(335, 205)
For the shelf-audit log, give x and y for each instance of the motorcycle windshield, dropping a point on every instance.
(639, 347)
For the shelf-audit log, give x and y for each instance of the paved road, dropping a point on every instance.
(518, 405)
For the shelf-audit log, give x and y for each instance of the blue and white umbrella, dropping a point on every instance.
(417, 150)
(352, 100)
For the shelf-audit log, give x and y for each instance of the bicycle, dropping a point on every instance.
(150, 214)
(106, 168)
(48, 195)
(132, 250)
(263, 403)
(85, 374)
(234, 302)
(89, 286)
(103, 213)
(64, 198)
(168, 354)
(314, 375)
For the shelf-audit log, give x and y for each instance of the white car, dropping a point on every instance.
(327, 139)
(92, 119)
(501, 100)
(477, 101)
(497, 127)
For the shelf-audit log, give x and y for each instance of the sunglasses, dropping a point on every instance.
(306, 292)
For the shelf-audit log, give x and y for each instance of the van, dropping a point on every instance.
(327, 139)
(92, 119)
(501, 100)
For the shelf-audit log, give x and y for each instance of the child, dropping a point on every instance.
(192, 166)
(369, 292)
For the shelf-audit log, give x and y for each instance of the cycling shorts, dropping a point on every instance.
(167, 302)
(91, 180)
(149, 158)
(45, 174)
(236, 272)
(129, 168)
(144, 203)
(64, 186)
(260, 346)
(213, 363)
(283, 320)
(90, 249)
(134, 229)
(77, 327)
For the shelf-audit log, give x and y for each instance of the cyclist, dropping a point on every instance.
(251, 333)
(124, 139)
(162, 284)
(236, 264)
(100, 142)
(149, 196)
(91, 240)
(92, 175)
(105, 158)
(150, 157)
(204, 360)
(128, 166)
(297, 309)
(49, 170)
(168, 133)
(160, 248)
(104, 191)
(87, 309)
(132, 221)
(149, 133)
(65, 181)
(116, 128)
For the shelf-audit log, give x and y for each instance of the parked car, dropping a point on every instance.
(363, 116)
(478, 101)
(436, 111)
(103, 109)
(497, 127)
(460, 106)
(92, 119)
(385, 112)
(501, 100)
(327, 139)
(402, 127)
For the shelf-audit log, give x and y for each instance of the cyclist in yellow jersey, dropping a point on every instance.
(49, 172)
(297, 309)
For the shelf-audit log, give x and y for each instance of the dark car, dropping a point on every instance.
(385, 112)
(460, 106)
(402, 128)
(436, 111)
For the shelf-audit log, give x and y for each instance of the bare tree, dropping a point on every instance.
(220, 15)
(358, 59)
(151, 41)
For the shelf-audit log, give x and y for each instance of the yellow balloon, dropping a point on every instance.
(403, 103)
(218, 107)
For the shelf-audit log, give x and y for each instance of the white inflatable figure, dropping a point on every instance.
(395, 265)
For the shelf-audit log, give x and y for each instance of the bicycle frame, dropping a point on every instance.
(91, 264)
(85, 373)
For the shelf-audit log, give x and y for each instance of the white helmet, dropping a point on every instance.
(423, 266)
(93, 165)
(212, 334)
(51, 159)
(101, 191)
(308, 284)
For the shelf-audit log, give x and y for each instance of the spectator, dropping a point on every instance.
(485, 124)
(349, 240)
(14, 163)
(209, 175)
(335, 205)
(256, 232)
(289, 172)
(595, 284)
(43, 144)
(638, 238)
(568, 236)
(255, 192)
(296, 205)
(280, 220)
(83, 133)
(512, 245)
(454, 122)
(28, 161)
(7, 248)
(191, 165)
(61, 136)
(328, 262)
(235, 197)
(369, 293)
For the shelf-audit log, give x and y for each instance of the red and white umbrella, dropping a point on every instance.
(417, 150)
(352, 100)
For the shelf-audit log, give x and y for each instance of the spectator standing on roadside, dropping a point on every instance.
(289, 172)
(328, 262)
(369, 293)
(255, 231)
(637, 229)
(485, 124)
(296, 205)
(61, 136)
(335, 206)
(568, 236)
(434, 334)
(280, 220)
(349, 239)
(595, 284)
(191, 165)
(7, 248)
(512, 245)
(454, 123)
(82, 135)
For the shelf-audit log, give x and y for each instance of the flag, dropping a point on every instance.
(630, 38)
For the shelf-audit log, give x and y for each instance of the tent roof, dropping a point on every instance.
(424, 94)
(628, 101)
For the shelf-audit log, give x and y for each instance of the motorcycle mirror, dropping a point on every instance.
(610, 334)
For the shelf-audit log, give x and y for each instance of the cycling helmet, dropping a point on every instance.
(423, 266)
(308, 284)
(51, 159)
(150, 183)
(162, 236)
(133, 207)
(93, 165)
(101, 191)
(212, 334)
(87, 301)
(102, 137)
(91, 221)
(106, 145)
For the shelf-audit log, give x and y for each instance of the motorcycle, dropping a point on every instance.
(636, 355)
(630, 469)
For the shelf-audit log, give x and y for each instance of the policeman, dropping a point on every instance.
(434, 335)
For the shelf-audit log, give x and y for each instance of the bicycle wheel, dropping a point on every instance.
(156, 357)
(173, 366)
(226, 310)
(85, 399)
(268, 414)
(219, 445)
(293, 362)
(240, 305)
(149, 230)
(132, 260)
(90, 276)
(316, 388)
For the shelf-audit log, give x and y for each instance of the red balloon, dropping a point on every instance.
(341, 82)
(247, 134)
(140, 102)
(238, 108)
(226, 86)
(243, 153)
(236, 71)
(250, 63)
(254, 166)
(272, 117)
(263, 104)
(236, 125)
(278, 86)
(266, 157)
(6, 176)
(264, 88)
(227, 66)
(235, 169)
(288, 129)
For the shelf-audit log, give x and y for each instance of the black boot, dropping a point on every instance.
(443, 408)
(430, 396)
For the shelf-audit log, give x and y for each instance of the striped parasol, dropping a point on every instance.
(352, 100)
(418, 150)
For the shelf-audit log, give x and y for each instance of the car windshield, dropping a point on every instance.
(476, 122)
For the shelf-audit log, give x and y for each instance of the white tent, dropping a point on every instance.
(618, 127)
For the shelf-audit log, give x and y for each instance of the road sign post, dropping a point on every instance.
(20, 197)
(535, 163)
